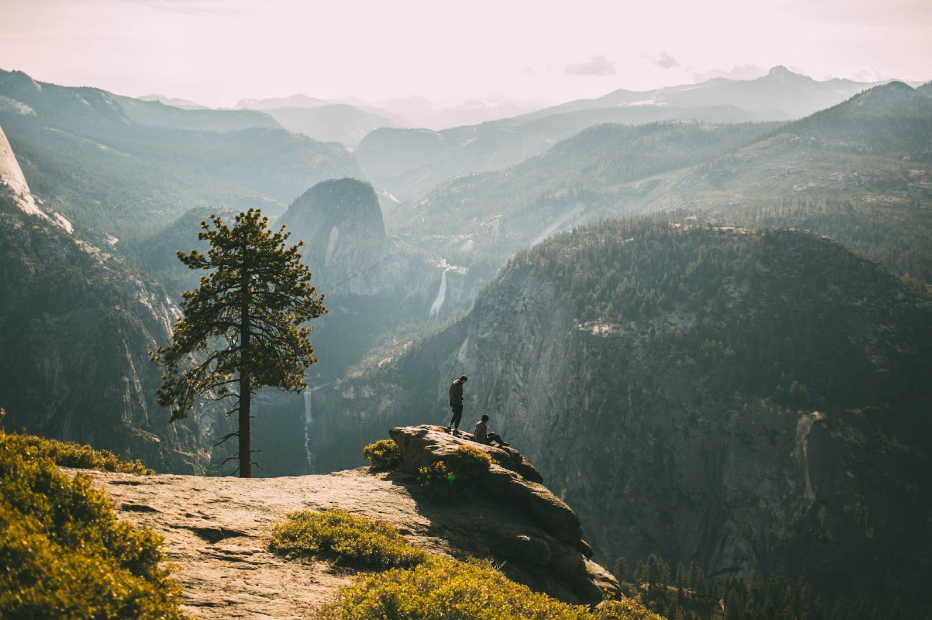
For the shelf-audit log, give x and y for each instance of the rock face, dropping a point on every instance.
(13, 182)
(551, 556)
(77, 325)
(341, 225)
(655, 458)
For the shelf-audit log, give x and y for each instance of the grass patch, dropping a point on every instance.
(383, 454)
(70, 454)
(471, 590)
(64, 554)
(349, 539)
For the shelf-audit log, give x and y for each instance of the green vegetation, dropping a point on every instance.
(71, 454)
(383, 454)
(349, 539)
(471, 590)
(64, 554)
(470, 461)
(245, 323)
(766, 313)
(439, 481)
(419, 586)
(445, 480)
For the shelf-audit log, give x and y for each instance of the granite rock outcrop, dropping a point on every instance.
(544, 548)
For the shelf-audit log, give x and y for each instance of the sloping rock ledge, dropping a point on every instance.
(217, 530)
(549, 555)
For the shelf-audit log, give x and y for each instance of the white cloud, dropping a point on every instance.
(597, 65)
(664, 61)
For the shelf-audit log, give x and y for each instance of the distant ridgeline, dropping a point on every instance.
(125, 167)
(860, 172)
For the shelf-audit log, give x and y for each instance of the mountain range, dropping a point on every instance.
(707, 325)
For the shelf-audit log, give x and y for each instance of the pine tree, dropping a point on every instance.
(621, 569)
(243, 326)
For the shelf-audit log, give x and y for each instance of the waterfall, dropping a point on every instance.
(441, 294)
(308, 420)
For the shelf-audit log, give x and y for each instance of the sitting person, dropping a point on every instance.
(483, 435)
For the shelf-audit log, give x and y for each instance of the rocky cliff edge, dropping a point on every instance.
(217, 529)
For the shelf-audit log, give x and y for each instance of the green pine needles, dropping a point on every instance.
(243, 328)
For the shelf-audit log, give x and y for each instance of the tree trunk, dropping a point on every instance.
(245, 382)
(245, 395)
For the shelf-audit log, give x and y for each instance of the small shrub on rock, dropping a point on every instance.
(439, 481)
(383, 454)
(472, 462)
(64, 554)
(353, 540)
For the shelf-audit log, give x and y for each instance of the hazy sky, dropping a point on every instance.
(216, 52)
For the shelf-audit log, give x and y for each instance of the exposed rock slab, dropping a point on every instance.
(217, 532)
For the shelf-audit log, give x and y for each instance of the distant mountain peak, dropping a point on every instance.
(341, 224)
(782, 74)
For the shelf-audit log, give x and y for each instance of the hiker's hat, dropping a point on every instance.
(462, 377)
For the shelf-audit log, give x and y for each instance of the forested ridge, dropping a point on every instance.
(737, 303)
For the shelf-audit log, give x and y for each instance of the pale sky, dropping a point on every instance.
(216, 52)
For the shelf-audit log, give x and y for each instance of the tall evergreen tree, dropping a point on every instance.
(242, 327)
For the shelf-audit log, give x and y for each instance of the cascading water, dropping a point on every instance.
(441, 294)
(308, 420)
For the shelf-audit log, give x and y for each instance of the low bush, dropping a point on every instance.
(471, 462)
(63, 554)
(627, 609)
(383, 454)
(445, 588)
(439, 481)
(352, 540)
(471, 590)
(70, 454)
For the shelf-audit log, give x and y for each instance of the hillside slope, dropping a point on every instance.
(77, 325)
(125, 174)
(860, 172)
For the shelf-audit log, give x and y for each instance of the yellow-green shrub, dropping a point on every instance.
(627, 609)
(70, 454)
(439, 480)
(383, 454)
(445, 588)
(423, 586)
(470, 461)
(353, 540)
(471, 590)
(63, 554)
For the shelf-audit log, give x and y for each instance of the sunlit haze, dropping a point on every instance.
(216, 52)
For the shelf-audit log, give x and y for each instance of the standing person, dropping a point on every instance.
(456, 404)
(482, 434)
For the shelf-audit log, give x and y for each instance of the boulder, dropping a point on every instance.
(550, 555)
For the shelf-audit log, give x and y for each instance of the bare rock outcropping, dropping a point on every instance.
(544, 548)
